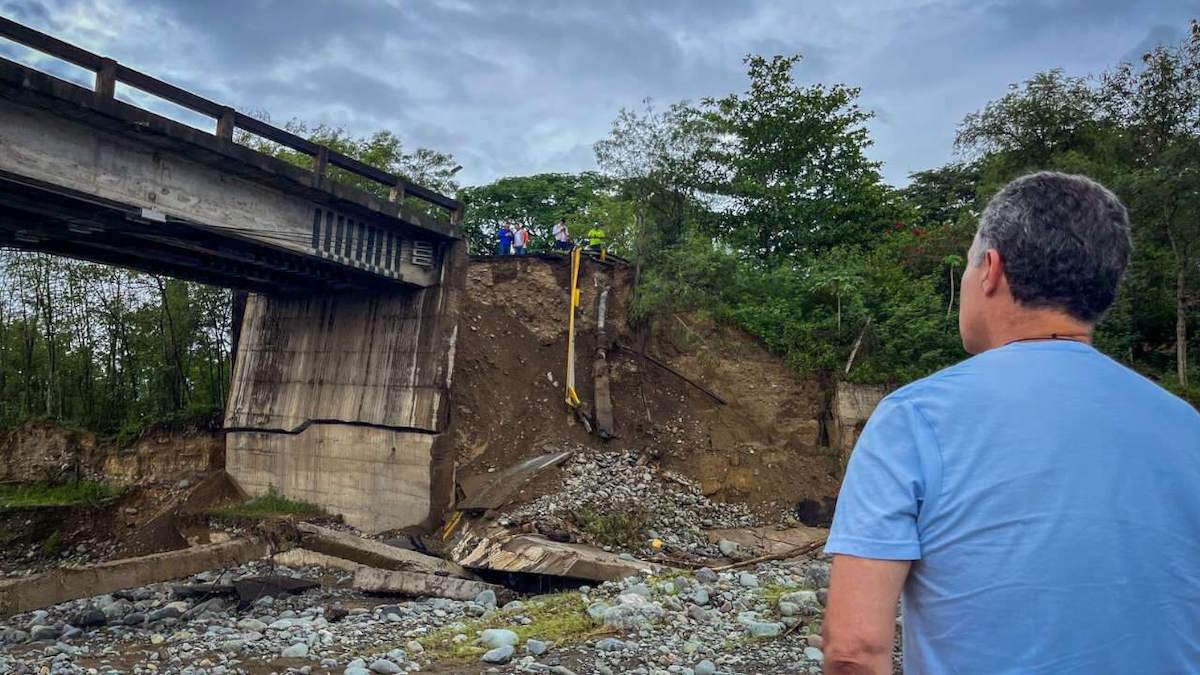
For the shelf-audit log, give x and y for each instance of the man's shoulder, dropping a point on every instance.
(948, 378)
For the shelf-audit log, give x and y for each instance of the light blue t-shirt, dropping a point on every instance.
(1050, 500)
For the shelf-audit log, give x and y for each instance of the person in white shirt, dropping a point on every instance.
(521, 239)
(562, 238)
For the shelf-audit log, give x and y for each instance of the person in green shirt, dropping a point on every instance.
(596, 238)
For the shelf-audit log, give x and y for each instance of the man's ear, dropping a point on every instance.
(993, 272)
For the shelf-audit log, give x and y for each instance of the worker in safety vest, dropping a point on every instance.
(596, 238)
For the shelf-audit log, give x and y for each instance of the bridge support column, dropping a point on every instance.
(344, 400)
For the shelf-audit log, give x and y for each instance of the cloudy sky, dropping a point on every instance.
(523, 86)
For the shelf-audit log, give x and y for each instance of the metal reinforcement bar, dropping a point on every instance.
(109, 73)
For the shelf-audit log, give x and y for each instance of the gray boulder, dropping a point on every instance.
(499, 655)
(383, 667)
(494, 638)
(296, 651)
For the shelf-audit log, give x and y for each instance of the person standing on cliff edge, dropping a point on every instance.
(1036, 507)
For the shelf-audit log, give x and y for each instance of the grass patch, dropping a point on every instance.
(560, 618)
(270, 505)
(51, 494)
(618, 530)
(772, 592)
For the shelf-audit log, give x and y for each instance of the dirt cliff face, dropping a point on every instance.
(45, 451)
(762, 447)
(165, 456)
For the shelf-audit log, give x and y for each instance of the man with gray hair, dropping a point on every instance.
(1037, 505)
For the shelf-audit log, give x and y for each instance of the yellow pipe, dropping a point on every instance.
(571, 395)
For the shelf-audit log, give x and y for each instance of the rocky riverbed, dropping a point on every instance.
(763, 619)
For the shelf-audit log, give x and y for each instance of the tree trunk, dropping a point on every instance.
(1181, 263)
(45, 298)
(179, 390)
(1181, 356)
(950, 305)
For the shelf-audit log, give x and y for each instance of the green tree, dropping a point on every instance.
(1157, 105)
(787, 166)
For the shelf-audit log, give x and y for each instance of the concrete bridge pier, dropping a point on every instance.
(343, 400)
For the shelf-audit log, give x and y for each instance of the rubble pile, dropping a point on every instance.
(675, 510)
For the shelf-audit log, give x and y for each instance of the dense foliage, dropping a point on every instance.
(108, 349)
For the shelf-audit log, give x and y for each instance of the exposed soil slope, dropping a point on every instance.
(762, 447)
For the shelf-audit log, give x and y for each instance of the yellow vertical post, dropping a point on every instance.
(573, 303)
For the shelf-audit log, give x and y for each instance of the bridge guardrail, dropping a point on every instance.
(109, 73)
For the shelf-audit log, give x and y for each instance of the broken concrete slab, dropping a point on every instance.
(70, 583)
(374, 553)
(768, 540)
(373, 580)
(302, 557)
(507, 482)
(201, 590)
(538, 555)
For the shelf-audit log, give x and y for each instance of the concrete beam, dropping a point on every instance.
(302, 557)
(418, 585)
(537, 555)
(71, 583)
(375, 553)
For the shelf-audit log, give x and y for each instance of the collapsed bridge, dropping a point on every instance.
(344, 352)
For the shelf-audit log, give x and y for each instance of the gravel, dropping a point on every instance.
(677, 512)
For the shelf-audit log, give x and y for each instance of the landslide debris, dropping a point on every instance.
(616, 500)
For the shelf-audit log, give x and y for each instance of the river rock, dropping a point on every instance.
(761, 629)
(296, 651)
(494, 638)
(487, 598)
(535, 647)
(42, 632)
(499, 655)
(252, 624)
(383, 667)
(89, 618)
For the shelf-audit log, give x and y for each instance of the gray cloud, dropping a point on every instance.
(522, 86)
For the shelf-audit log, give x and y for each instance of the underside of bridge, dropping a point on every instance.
(344, 361)
(42, 217)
